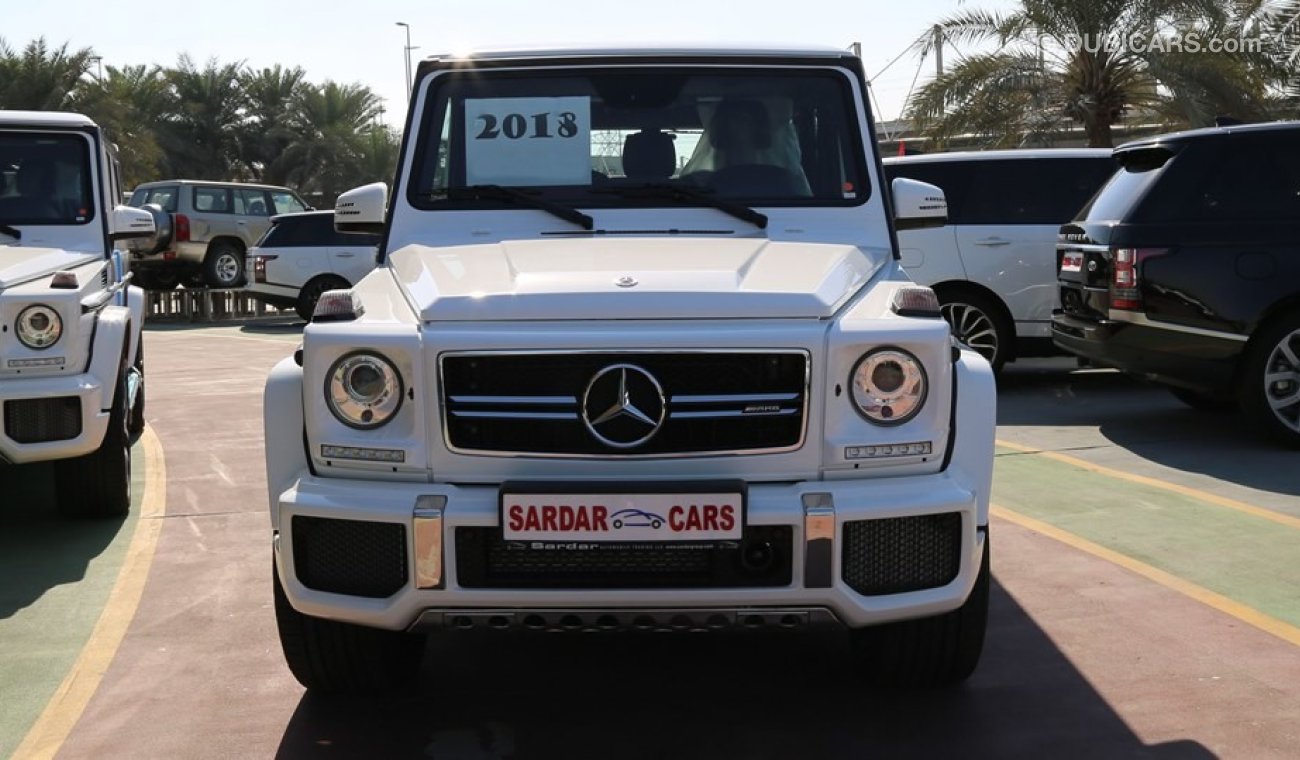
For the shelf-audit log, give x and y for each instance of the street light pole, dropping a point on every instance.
(406, 57)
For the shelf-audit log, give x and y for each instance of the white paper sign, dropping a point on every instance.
(528, 141)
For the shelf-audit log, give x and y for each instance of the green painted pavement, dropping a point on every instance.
(1246, 558)
(55, 577)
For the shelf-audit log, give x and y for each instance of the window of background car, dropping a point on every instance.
(45, 179)
(1139, 170)
(1044, 191)
(1227, 182)
(213, 200)
(287, 203)
(251, 202)
(165, 197)
(767, 137)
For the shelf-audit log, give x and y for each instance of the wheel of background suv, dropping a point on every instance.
(223, 267)
(978, 322)
(933, 651)
(1269, 387)
(98, 484)
(311, 293)
(1203, 402)
(329, 657)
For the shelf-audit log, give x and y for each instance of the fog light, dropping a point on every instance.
(920, 448)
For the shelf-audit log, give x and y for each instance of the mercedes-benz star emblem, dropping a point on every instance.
(623, 406)
(625, 282)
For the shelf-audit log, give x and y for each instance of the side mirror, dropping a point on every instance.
(918, 205)
(126, 223)
(362, 209)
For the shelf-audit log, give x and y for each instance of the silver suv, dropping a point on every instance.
(206, 228)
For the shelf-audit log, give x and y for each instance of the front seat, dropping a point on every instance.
(649, 155)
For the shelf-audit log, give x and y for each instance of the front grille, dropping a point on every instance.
(39, 420)
(352, 557)
(901, 554)
(711, 402)
(761, 558)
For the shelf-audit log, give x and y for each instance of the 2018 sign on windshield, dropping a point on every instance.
(528, 141)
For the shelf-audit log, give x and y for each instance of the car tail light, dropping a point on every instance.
(182, 228)
(1126, 277)
(259, 266)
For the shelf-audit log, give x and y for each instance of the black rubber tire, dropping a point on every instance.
(330, 658)
(934, 651)
(311, 293)
(98, 484)
(223, 266)
(980, 320)
(1204, 402)
(1265, 356)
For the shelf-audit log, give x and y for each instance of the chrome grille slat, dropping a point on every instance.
(735, 398)
(513, 415)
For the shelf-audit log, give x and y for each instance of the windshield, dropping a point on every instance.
(44, 179)
(759, 136)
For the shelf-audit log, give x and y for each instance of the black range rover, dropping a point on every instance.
(1185, 269)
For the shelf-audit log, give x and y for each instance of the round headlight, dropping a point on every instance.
(39, 327)
(888, 386)
(363, 390)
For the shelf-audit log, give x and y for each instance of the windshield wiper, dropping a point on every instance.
(504, 193)
(688, 193)
(12, 232)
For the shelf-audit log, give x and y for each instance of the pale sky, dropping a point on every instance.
(363, 44)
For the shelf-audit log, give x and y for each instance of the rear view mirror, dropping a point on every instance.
(918, 205)
(362, 209)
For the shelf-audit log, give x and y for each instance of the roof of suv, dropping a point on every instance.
(762, 51)
(1000, 155)
(44, 119)
(1211, 132)
(164, 182)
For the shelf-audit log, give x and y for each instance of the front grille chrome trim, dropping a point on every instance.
(486, 415)
(519, 400)
(736, 398)
(723, 398)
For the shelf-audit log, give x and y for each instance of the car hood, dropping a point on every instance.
(633, 279)
(19, 264)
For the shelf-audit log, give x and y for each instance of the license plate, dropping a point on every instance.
(1072, 262)
(617, 516)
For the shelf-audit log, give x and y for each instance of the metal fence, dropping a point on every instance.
(204, 305)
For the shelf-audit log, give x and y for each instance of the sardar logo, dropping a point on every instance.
(623, 406)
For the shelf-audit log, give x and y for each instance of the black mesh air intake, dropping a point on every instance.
(901, 554)
(39, 420)
(352, 557)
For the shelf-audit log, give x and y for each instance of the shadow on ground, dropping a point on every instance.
(1147, 420)
(769, 697)
(39, 549)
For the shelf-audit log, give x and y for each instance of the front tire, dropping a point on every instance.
(934, 651)
(1269, 387)
(333, 658)
(98, 484)
(978, 322)
(223, 267)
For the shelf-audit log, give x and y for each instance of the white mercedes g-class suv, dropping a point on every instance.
(638, 354)
(71, 360)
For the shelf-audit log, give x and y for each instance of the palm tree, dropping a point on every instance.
(270, 96)
(41, 78)
(332, 124)
(200, 134)
(1058, 63)
(131, 104)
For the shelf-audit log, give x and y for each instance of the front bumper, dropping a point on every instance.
(816, 512)
(85, 390)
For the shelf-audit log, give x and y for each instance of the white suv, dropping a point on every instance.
(994, 265)
(71, 360)
(302, 256)
(638, 354)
